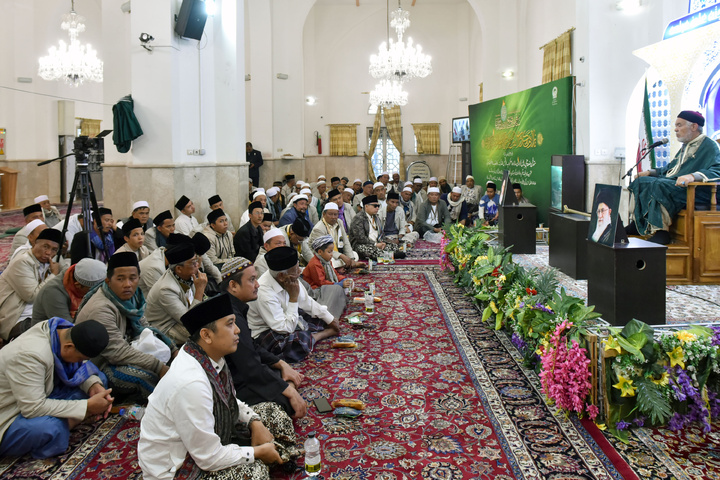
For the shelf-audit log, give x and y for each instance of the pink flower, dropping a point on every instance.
(592, 411)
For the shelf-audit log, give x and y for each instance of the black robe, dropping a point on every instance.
(250, 365)
(247, 241)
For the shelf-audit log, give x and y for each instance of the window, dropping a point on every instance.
(385, 158)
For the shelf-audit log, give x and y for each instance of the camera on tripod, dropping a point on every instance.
(92, 150)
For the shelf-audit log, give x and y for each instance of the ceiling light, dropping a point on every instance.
(508, 74)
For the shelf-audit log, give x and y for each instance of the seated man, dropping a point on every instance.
(50, 212)
(432, 214)
(471, 193)
(273, 238)
(221, 242)
(45, 383)
(274, 319)
(296, 238)
(180, 288)
(190, 427)
(366, 232)
(22, 280)
(367, 189)
(119, 305)
(61, 296)
(185, 223)
(31, 212)
(659, 194)
(274, 203)
(140, 212)
(134, 239)
(343, 254)
(433, 182)
(380, 191)
(102, 244)
(489, 204)
(32, 230)
(345, 210)
(259, 376)
(419, 194)
(298, 209)
(444, 185)
(259, 196)
(457, 207)
(392, 218)
(248, 240)
(216, 203)
(517, 188)
(289, 186)
(320, 274)
(408, 206)
(157, 236)
(267, 222)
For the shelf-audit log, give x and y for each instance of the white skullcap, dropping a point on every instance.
(417, 180)
(259, 193)
(292, 195)
(140, 204)
(301, 196)
(330, 206)
(457, 190)
(322, 176)
(357, 180)
(273, 232)
(41, 198)
(32, 226)
(469, 177)
(301, 183)
(407, 189)
(433, 179)
(305, 191)
(408, 183)
(320, 182)
(272, 191)
(384, 173)
(433, 190)
(378, 184)
(260, 189)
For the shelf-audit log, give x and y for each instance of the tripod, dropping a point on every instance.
(82, 185)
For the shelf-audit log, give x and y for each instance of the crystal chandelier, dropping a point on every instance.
(75, 63)
(397, 62)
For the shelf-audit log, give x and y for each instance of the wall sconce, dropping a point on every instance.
(310, 100)
(145, 39)
(508, 74)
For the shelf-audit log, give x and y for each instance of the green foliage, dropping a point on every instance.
(651, 401)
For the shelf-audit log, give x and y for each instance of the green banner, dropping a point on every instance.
(519, 133)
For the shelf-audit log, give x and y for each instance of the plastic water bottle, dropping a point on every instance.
(134, 412)
(313, 460)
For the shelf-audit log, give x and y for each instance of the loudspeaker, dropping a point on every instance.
(568, 244)
(191, 19)
(516, 227)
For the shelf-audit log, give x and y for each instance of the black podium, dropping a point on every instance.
(627, 281)
(568, 244)
(516, 227)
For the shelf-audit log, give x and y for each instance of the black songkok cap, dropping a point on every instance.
(300, 227)
(253, 206)
(393, 195)
(215, 214)
(517, 185)
(90, 338)
(182, 203)
(334, 179)
(289, 176)
(207, 312)
(101, 211)
(368, 182)
(161, 217)
(35, 207)
(130, 225)
(178, 238)
(693, 117)
(333, 193)
(369, 199)
(214, 199)
(491, 185)
(267, 217)
(52, 235)
(122, 259)
(201, 243)
(281, 258)
(180, 253)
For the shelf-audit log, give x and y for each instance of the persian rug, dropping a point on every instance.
(683, 303)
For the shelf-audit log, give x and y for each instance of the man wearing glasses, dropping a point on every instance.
(366, 232)
(181, 286)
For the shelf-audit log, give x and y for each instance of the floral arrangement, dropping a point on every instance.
(668, 379)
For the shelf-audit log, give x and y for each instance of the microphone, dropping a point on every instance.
(658, 143)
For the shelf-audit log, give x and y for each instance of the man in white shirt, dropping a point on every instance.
(50, 212)
(274, 319)
(185, 223)
(190, 421)
(31, 212)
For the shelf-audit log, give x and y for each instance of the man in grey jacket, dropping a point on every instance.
(432, 214)
(44, 387)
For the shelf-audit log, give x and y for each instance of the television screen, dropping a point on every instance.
(460, 130)
(556, 187)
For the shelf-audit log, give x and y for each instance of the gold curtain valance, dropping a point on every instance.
(428, 138)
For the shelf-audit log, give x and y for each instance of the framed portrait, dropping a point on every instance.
(604, 214)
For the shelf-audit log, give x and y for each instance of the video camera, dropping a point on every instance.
(92, 149)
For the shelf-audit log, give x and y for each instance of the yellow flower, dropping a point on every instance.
(502, 278)
(476, 280)
(479, 260)
(662, 381)
(493, 307)
(625, 386)
(677, 357)
(601, 426)
(612, 344)
(686, 336)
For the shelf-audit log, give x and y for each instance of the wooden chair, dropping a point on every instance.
(694, 255)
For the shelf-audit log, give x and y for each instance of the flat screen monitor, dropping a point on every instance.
(460, 129)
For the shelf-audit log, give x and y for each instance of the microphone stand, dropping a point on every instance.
(629, 172)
